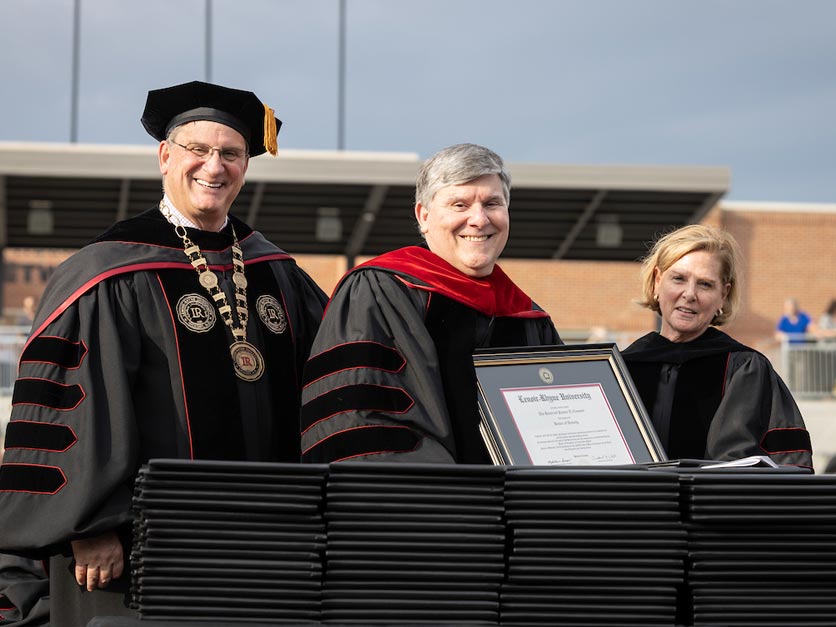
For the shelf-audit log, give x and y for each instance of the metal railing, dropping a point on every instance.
(12, 339)
(808, 365)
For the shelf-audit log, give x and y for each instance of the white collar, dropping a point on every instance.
(178, 219)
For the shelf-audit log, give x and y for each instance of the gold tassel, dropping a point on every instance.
(271, 143)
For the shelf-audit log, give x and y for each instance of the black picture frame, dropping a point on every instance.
(574, 404)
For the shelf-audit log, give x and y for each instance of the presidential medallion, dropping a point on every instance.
(271, 313)
(195, 313)
(248, 362)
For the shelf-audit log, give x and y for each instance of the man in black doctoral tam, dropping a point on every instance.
(391, 374)
(178, 333)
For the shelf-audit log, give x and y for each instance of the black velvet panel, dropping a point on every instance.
(457, 331)
(55, 350)
(283, 364)
(43, 436)
(786, 441)
(355, 398)
(353, 355)
(208, 378)
(31, 478)
(362, 441)
(645, 376)
(698, 393)
(150, 227)
(47, 394)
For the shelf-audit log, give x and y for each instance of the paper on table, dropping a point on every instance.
(753, 460)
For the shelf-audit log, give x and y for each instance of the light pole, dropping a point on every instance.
(341, 78)
(208, 43)
(75, 71)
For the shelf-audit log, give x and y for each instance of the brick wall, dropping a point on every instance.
(789, 253)
(580, 295)
(25, 273)
(326, 270)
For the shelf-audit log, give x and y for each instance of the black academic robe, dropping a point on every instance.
(715, 398)
(24, 592)
(391, 374)
(129, 360)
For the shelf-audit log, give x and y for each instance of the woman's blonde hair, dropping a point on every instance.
(673, 246)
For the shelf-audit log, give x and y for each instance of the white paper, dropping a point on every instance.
(754, 460)
(567, 425)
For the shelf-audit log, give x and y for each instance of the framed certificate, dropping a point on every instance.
(562, 405)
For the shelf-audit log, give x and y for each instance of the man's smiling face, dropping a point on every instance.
(203, 189)
(467, 225)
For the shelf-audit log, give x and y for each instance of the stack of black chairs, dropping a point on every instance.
(228, 540)
(762, 548)
(410, 544)
(592, 547)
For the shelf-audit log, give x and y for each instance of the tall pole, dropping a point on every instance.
(75, 71)
(341, 78)
(208, 47)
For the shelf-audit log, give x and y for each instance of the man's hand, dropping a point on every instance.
(98, 560)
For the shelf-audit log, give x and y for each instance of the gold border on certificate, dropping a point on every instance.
(562, 405)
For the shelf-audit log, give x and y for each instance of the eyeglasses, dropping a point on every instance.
(204, 151)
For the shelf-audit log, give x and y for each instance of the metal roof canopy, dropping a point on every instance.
(352, 203)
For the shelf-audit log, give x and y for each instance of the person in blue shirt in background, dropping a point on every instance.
(794, 324)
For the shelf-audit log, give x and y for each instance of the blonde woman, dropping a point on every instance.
(709, 396)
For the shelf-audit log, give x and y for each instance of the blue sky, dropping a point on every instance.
(746, 84)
